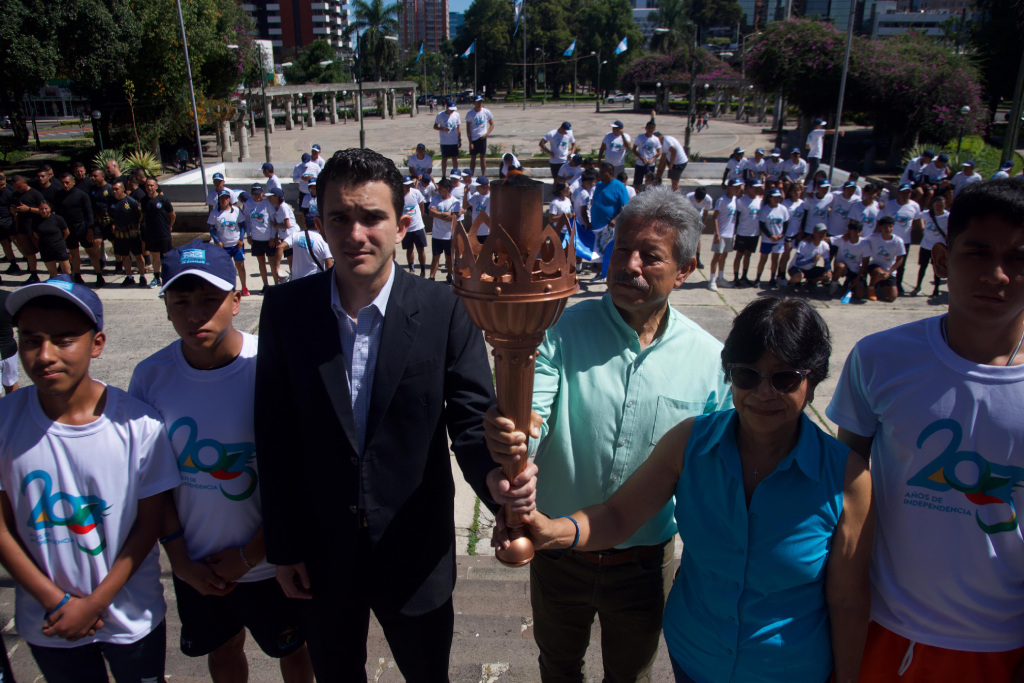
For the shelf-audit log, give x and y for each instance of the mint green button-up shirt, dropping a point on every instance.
(605, 404)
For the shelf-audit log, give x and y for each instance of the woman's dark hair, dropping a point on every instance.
(354, 167)
(790, 329)
(557, 190)
(1002, 198)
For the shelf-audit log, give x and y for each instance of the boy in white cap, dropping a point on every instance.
(414, 205)
(83, 470)
(449, 126)
(479, 125)
(420, 162)
(614, 146)
(559, 144)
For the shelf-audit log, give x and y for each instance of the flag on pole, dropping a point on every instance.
(621, 47)
(518, 9)
(469, 50)
(572, 48)
(419, 54)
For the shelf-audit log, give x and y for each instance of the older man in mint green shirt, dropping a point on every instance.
(612, 376)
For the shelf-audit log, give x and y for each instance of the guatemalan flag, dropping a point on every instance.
(518, 9)
(469, 50)
(419, 54)
(572, 48)
(621, 47)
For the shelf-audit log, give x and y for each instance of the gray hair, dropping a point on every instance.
(658, 204)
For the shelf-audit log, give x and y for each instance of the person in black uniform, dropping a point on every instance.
(82, 180)
(102, 196)
(8, 348)
(47, 186)
(26, 208)
(7, 195)
(52, 231)
(126, 216)
(158, 216)
(75, 207)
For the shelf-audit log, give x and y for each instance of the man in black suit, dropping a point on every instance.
(364, 372)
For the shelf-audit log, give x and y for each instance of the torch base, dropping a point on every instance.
(518, 554)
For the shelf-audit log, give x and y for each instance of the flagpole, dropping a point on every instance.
(476, 88)
(575, 61)
(522, 18)
(426, 86)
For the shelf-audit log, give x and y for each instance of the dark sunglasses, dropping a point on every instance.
(746, 378)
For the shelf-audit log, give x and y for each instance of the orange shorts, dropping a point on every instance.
(889, 657)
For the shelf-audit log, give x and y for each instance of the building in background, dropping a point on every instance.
(456, 24)
(890, 19)
(423, 21)
(643, 12)
(292, 24)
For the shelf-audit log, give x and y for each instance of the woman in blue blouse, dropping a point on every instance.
(775, 517)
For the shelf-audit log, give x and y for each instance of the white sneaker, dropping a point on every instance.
(781, 281)
(712, 286)
(722, 282)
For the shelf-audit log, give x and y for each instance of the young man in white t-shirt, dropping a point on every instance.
(866, 211)
(673, 157)
(83, 470)
(414, 206)
(202, 385)
(886, 254)
(282, 218)
(771, 221)
(420, 162)
(907, 215)
(228, 232)
(811, 261)
(446, 210)
(310, 253)
(724, 215)
(815, 145)
(936, 220)
(748, 230)
(966, 176)
(851, 249)
(702, 202)
(613, 149)
(480, 202)
(257, 211)
(479, 125)
(935, 404)
(559, 144)
(794, 170)
(647, 149)
(449, 126)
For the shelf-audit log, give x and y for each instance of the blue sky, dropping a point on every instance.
(459, 5)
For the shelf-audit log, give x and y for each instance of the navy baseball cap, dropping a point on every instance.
(483, 180)
(449, 104)
(268, 167)
(735, 182)
(759, 150)
(315, 148)
(218, 176)
(905, 187)
(277, 192)
(566, 125)
(576, 159)
(224, 193)
(819, 122)
(820, 227)
(256, 188)
(794, 152)
(62, 287)
(426, 176)
(775, 193)
(928, 153)
(969, 163)
(738, 150)
(306, 157)
(755, 183)
(617, 124)
(1006, 165)
(824, 183)
(202, 259)
(457, 174)
(421, 146)
(465, 172)
(850, 183)
(407, 180)
(776, 152)
(478, 98)
(943, 157)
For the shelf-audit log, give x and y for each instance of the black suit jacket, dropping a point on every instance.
(432, 380)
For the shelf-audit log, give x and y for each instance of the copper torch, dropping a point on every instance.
(514, 286)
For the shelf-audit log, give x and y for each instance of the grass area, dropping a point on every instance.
(474, 530)
(985, 156)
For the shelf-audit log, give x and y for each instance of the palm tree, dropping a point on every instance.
(375, 20)
(673, 17)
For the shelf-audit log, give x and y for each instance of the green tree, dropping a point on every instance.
(28, 58)
(489, 23)
(601, 25)
(673, 17)
(307, 67)
(995, 38)
(548, 26)
(706, 13)
(374, 21)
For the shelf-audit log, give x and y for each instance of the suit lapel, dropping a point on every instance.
(331, 364)
(401, 325)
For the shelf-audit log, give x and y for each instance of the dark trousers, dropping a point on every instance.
(568, 592)
(135, 662)
(812, 168)
(338, 619)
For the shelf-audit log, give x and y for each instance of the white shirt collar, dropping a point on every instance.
(380, 301)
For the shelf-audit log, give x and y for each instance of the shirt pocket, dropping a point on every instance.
(672, 411)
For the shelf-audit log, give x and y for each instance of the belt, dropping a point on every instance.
(616, 557)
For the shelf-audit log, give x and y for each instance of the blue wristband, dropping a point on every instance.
(64, 601)
(176, 535)
(576, 540)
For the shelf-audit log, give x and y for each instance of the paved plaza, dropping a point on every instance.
(493, 628)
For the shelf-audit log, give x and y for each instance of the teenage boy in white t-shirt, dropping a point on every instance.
(420, 162)
(702, 202)
(886, 254)
(449, 126)
(851, 250)
(724, 214)
(228, 232)
(559, 144)
(202, 385)
(257, 212)
(414, 205)
(936, 219)
(83, 467)
(282, 218)
(936, 405)
(479, 125)
(310, 253)
(811, 261)
(481, 203)
(772, 220)
(815, 145)
(613, 149)
(747, 232)
(445, 210)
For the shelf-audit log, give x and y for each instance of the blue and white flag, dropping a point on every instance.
(419, 54)
(572, 48)
(518, 10)
(469, 50)
(621, 47)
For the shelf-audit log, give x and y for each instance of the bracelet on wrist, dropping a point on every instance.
(576, 540)
(173, 537)
(64, 601)
(245, 560)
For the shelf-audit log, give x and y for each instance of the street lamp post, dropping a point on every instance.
(544, 93)
(96, 121)
(599, 63)
(266, 109)
(192, 93)
(964, 111)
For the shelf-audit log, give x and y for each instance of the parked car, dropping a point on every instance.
(424, 99)
(620, 97)
(5, 121)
